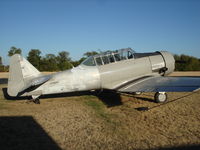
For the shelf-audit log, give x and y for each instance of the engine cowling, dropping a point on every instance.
(169, 62)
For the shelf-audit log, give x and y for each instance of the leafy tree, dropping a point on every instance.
(13, 50)
(1, 61)
(63, 60)
(186, 63)
(34, 57)
(44, 66)
(75, 63)
(81, 60)
(3, 68)
(49, 63)
(1, 65)
(88, 54)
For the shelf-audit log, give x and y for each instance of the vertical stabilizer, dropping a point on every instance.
(20, 70)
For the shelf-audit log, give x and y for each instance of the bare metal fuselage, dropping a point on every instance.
(109, 76)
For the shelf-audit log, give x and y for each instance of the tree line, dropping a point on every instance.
(186, 63)
(49, 62)
(63, 61)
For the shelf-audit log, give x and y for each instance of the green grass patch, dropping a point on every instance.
(89, 97)
(97, 106)
(100, 111)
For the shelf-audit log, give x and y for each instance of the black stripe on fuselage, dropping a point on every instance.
(131, 82)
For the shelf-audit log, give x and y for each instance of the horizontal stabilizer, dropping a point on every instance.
(34, 83)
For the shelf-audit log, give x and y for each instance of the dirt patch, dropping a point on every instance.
(3, 74)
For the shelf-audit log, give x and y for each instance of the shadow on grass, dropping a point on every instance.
(161, 104)
(145, 99)
(24, 133)
(181, 147)
(45, 96)
(109, 98)
(3, 80)
(140, 97)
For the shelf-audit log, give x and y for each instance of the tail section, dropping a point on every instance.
(20, 71)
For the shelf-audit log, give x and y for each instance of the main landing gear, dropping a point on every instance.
(160, 97)
(36, 101)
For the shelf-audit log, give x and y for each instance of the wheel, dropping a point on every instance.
(160, 97)
(36, 101)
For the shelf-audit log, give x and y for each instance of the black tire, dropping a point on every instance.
(161, 97)
(37, 101)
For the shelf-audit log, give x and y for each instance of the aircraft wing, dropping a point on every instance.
(161, 84)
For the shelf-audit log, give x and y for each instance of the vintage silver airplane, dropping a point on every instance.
(121, 71)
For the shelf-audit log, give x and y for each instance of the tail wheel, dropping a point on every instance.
(161, 97)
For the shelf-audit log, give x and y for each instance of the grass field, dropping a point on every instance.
(108, 121)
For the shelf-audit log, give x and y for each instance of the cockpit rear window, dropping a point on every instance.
(117, 57)
(130, 55)
(105, 60)
(111, 58)
(99, 61)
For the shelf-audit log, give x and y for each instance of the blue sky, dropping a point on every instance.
(78, 26)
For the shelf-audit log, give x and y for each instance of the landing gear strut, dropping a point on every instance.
(160, 97)
(35, 99)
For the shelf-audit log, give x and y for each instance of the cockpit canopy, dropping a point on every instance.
(109, 57)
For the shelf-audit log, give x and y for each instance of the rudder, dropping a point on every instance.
(20, 70)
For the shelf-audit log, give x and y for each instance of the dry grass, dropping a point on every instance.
(85, 122)
(186, 73)
(3, 74)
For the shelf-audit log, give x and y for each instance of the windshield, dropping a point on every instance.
(89, 62)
